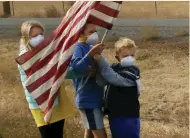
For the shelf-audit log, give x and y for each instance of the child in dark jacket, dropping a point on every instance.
(122, 93)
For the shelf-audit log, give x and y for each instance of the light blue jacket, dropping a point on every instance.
(31, 101)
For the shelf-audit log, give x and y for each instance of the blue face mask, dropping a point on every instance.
(92, 39)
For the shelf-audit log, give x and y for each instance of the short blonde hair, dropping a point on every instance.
(25, 32)
(124, 43)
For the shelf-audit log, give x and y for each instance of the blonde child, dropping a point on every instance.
(122, 93)
(32, 34)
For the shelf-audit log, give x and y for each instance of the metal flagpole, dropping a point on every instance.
(13, 9)
(104, 36)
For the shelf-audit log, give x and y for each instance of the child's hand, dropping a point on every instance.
(97, 49)
(97, 57)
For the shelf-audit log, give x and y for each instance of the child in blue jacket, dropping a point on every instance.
(89, 96)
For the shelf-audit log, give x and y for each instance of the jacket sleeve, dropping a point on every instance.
(21, 70)
(100, 80)
(80, 63)
(113, 77)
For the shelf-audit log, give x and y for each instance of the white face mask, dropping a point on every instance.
(92, 39)
(36, 40)
(127, 61)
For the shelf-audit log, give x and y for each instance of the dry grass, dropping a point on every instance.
(51, 11)
(165, 9)
(149, 33)
(164, 92)
(182, 32)
(130, 9)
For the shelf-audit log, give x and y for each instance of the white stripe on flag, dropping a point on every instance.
(110, 4)
(44, 105)
(48, 115)
(42, 89)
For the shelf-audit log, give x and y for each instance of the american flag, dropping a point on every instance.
(46, 65)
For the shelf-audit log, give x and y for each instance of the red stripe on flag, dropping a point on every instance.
(99, 22)
(33, 86)
(42, 98)
(51, 102)
(106, 10)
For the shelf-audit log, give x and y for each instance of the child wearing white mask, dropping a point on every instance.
(122, 92)
(92, 39)
(88, 94)
(32, 35)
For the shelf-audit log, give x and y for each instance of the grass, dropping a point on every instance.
(182, 32)
(51, 11)
(149, 33)
(145, 9)
(164, 92)
(129, 9)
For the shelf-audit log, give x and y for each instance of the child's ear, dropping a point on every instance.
(117, 58)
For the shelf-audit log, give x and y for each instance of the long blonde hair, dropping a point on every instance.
(25, 33)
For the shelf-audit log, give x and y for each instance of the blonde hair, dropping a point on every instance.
(124, 43)
(25, 32)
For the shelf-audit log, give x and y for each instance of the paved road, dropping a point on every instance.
(10, 27)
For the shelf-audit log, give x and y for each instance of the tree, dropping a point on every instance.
(6, 8)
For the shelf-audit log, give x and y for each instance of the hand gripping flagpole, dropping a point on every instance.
(86, 80)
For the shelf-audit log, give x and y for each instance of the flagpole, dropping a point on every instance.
(104, 36)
